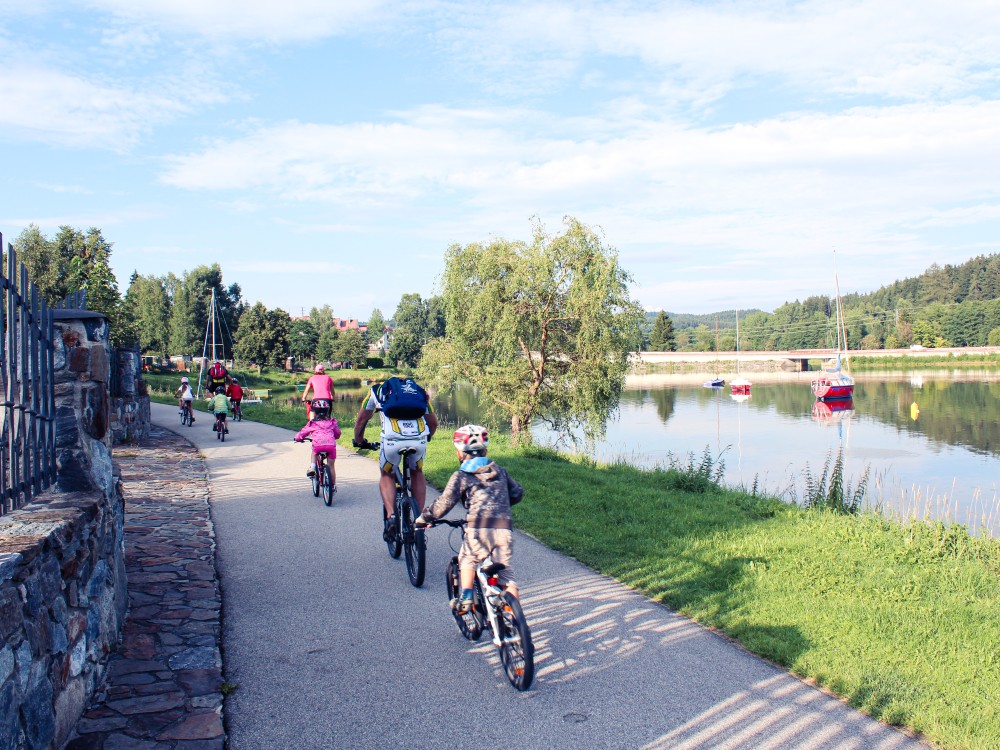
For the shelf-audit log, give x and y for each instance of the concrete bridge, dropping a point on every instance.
(798, 359)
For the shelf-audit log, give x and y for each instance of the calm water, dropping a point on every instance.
(942, 461)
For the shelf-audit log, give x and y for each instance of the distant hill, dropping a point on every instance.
(952, 305)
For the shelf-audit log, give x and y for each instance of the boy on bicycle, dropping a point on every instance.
(324, 430)
(487, 491)
(185, 397)
(219, 406)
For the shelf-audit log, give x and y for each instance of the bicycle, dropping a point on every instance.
(322, 478)
(220, 427)
(495, 609)
(187, 418)
(404, 537)
(237, 411)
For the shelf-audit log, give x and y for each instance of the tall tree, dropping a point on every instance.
(148, 305)
(302, 339)
(322, 318)
(544, 329)
(661, 338)
(350, 348)
(376, 327)
(410, 329)
(263, 335)
(327, 344)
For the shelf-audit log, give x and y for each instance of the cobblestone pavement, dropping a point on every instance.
(163, 685)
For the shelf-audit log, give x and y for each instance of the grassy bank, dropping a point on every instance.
(951, 361)
(902, 621)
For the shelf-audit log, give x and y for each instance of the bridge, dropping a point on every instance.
(799, 358)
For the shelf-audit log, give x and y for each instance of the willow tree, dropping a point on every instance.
(543, 329)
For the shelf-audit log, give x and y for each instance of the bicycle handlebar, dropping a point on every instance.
(455, 523)
(365, 445)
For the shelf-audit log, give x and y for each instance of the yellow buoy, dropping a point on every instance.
(914, 411)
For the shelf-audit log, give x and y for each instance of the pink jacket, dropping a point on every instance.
(324, 433)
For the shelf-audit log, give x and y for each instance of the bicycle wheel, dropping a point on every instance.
(394, 543)
(414, 542)
(517, 652)
(222, 432)
(327, 486)
(468, 624)
(316, 481)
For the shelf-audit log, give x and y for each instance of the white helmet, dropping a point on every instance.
(184, 380)
(470, 438)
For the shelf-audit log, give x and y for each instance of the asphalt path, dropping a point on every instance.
(331, 647)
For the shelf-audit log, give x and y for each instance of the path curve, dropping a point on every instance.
(330, 646)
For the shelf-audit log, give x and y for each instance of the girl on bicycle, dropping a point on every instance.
(185, 397)
(324, 431)
(321, 386)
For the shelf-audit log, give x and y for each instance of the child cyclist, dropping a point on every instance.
(185, 397)
(324, 431)
(487, 492)
(218, 404)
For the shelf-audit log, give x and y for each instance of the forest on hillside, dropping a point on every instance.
(951, 305)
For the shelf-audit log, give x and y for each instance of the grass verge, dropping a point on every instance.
(903, 621)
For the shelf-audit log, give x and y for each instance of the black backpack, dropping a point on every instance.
(402, 398)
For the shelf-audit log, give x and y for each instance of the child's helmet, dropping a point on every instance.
(320, 368)
(470, 438)
(184, 380)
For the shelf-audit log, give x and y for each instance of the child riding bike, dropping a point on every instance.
(323, 430)
(321, 386)
(218, 404)
(185, 397)
(487, 491)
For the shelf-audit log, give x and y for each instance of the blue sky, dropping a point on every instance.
(328, 152)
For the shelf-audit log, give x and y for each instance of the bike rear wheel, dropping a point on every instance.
(517, 652)
(327, 486)
(316, 481)
(469, 624)
(394, 543)
(414, 542)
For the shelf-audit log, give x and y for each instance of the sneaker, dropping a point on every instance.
(192, 419)
(227, 430)
(390, 528)
(311, 471)
(215, 427)
(461, 605)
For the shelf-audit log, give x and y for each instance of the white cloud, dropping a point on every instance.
(291, 20)
(55, 107)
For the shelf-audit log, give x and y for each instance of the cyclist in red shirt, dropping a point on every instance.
(235, 393)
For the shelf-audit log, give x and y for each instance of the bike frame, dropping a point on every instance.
(492, 594)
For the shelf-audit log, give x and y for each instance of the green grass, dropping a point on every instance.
(902, 621)
(859, 362)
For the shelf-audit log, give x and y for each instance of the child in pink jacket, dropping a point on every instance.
(324, 433)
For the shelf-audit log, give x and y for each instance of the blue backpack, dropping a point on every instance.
(402, 398)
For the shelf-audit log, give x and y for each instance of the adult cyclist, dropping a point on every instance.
(408, 422)
(321, 386)
(218, 377)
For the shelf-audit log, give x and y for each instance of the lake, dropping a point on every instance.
(929, 439)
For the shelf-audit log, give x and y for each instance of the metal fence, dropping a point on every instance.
(27, 435)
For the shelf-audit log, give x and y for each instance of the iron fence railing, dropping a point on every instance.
(27, 434)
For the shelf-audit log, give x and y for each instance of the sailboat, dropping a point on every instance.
(834, 382)
(716, 382)
(740, 386)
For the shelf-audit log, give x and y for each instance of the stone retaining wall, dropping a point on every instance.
(129, 404)
(63, 591)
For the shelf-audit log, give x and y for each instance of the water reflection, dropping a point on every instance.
(931, 440)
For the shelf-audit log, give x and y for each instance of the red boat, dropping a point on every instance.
(833, 385)
(740, 386)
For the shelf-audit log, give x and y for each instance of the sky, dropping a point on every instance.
(330, 151)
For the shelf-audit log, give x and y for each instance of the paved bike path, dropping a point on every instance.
(331, 647)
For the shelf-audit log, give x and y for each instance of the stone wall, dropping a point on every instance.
(63, 591)
(129, 403)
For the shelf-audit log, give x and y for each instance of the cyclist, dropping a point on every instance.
(408, 421)
(185, 397)
(487, 491)
(218, 404)
(235, 393)
(321, 386)
(324, 430)
(218, 376)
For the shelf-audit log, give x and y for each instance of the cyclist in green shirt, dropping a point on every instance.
(219, 406)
